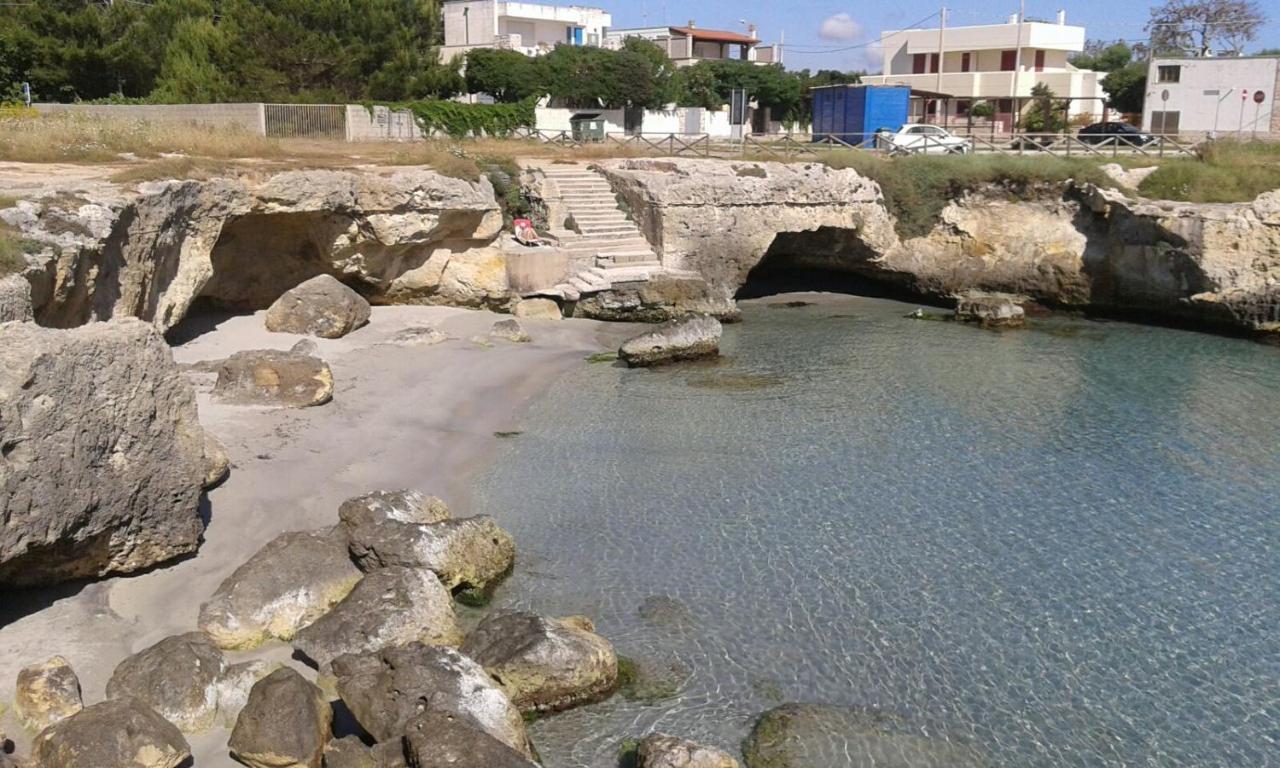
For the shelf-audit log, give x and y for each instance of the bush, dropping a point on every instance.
(460, 120)
(1224, 172)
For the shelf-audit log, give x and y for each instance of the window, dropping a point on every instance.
(917, 64)
(962, 105)
(1039, 61)
(1165, 122)
(964, 62)
(933, 62)
(1007, 60)
(1168, 73)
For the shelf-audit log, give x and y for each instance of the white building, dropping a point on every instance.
(950, 69)
(690, 44)
(1227, 96)
(530, 28)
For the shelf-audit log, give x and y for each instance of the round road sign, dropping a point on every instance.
(1259, 97)
(1164, 95)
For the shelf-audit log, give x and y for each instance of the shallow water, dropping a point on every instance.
(1058, 546)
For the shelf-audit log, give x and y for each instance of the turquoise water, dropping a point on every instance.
(1059, 545)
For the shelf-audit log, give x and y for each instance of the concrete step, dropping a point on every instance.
(609, 229)
(628, 257)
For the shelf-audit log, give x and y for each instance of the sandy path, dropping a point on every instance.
(421, 416)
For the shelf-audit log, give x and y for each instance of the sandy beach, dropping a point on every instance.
(422, 416)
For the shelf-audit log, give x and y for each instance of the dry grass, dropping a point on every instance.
(13, 250)
(1225, 171)
(76, 139)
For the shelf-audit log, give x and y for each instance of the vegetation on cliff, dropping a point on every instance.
(1223, 172)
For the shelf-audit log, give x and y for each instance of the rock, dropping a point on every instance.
(544, 664)
(990, 310)
(652, 677)
(289, 583)
(286, 723)
(510, 330)
(274, 378)
(306, 347)
(15, 299)
(390, 606)
(390, 754)
(234, 686)
(118, 733)
(688, 338)
(177, 678)
(349, 752)
(665, 611)
(813, 735)
(104, 456)
(440, 739)
(217, 463)
(402, 506)
(47, 693)
(388, 688)
(1130, 178)
(417, 336)
(659, 750)
(537, 309)
(321, 306)
(472, 551)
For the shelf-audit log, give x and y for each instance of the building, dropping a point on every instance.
(690, 44)
(951, 69)
(530, 28)
(1220, 96)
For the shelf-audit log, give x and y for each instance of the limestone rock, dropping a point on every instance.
(441, 739)
(177, 678)
(286, 723)
(104, 456)
(306, 347)
(15, 299)
(274, 378)
(472, 551)
(659, 750)
(537, 309)
(510, 330)
(990, 310)
(118, 733)
(321, 306)
(417, 336)
(47, 693)
(388, 688)
(289, 583)
(349, 752)
(390, 606)
(808, 735)
(217, 463)
(403, 506)
(544, 664)
(688, 338)
(234, 686)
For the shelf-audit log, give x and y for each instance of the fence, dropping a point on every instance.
(1035, 144)
(676, 144)
(305, 121)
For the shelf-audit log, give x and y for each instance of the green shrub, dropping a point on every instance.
(13, 250)
(1224, 172)
(461, 120)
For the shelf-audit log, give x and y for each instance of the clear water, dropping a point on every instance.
(1057, 545)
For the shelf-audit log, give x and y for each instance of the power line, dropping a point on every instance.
(823, 49)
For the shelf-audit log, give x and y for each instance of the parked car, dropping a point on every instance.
(1114, 133)
(914, 138)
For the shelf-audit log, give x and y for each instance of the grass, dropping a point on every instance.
(1224, 171)
(13, 250)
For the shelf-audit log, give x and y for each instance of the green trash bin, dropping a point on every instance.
(587, 126)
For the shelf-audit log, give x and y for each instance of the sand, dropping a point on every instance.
(401, 416)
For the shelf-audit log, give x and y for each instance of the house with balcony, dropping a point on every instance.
(530, 28)
(952, 68)
(690, 44)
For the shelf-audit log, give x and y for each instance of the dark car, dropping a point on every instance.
(1114, 133)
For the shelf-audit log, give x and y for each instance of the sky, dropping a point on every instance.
(829, 34)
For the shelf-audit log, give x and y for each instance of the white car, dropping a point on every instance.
(915, 138)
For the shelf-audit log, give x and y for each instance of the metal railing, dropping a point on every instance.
(305, 121)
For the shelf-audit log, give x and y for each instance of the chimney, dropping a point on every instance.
(692, 25)
(1013, 18)
(751, 30)
(1062, 18)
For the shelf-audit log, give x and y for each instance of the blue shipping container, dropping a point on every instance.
(853, 113)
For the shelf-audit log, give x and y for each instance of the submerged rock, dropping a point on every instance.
(537, 309)
(510, 330)
(473, 551)
(321, 306)
(688, 338)
(118, 733)
(390, 606)
(274, 378)
(286, 723)
(990, 310)
(103, 453)
(386, 689)
(15, 299)
(439, 739)
(289, 583)
(659, 750)
(177, 677)
(47, 693)
(825, 736)
(402, 506)
(544, 664)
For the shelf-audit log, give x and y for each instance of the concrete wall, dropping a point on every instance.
(1207, 96)
(247, 117)
(380, 124)
(557, 118)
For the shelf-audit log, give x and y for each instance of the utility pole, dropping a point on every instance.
(1017, 67)
(937, 88)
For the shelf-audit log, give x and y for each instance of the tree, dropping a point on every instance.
(1100, 56)
(1126, 88)
(1203, 27)
(1045, 115)
(507, 76)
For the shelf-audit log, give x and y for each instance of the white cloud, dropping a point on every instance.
(841, 26)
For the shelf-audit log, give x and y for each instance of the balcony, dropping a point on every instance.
(993, 85)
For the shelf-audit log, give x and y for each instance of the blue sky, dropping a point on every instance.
(849, 24)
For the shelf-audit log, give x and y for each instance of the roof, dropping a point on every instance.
(715, 35)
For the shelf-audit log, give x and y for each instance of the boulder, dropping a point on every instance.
(104, 456)
(217, 463)
(118, 733)
(285, 724)
(321, 306)
(440, 739)
(15, 299)
(403, 506)
(390, 606)
(472, 551)
(811, 735)
(990, 310)
(510, 330)
(688, 338)
(274, 378)
(349, 752)
(388, 688)
(177, 677)
(544, 664)
(417, 336)
(659, 750)
(289, 583)
(47, 693)
(234, 686)
(537, 309)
